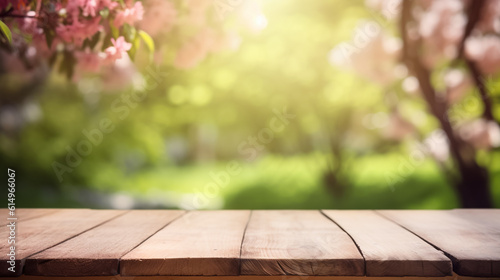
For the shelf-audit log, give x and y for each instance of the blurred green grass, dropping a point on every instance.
(273, 182)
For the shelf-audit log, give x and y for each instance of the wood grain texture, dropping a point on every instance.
(38, 234)
(199, 243)
(24, 214)
(248, 277)
(388, 249)
(97, 252)
(483, 217)
(289, 242)
(473, 247)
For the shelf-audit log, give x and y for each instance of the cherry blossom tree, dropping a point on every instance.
(444, 52)
(102, 39)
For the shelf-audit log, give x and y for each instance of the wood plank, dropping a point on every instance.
(199, 243)
(484, 217)
(388, 249)
(97, 252)
(40, 233)
(24, 214)
(248, 277)
(473, 248)
(290, 242)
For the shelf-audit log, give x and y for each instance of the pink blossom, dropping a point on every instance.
(490, 17)
(77, 31)
(119, 47)
(90, 7)
(457, 84)
(160, 16)
(110, 4)
(73, 8)
(129, 15)
(30, 23)
(480, 133)
(375, 57)
(195, 50)
(441, 27)
(436, 144)
(485, 52)
(197, 11)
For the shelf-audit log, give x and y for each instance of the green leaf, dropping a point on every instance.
(6, 31)
(135, 46)
(150, 44)
(104, 13)
(114, 31)
(129, 32)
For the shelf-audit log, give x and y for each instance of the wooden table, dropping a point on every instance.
(246, 245)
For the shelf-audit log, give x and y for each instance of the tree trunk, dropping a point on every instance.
(473, 188)
(472, 183)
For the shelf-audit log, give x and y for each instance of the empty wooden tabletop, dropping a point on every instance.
(297, 243)
(84, 242)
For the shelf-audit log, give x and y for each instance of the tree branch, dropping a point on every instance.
(473, 15)
(483, 90)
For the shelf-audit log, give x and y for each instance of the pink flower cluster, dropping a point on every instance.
(89, 61)
(83, 18)
(129, 15)
(92, 35)
(118, 49)
(72, 25)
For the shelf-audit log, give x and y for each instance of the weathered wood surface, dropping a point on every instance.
(25, 214)
(98, 251)
(388, 249)
(287, 242)
(38, 234)
(471, 239)
(199, 243)
(248, 277)
(279, 243)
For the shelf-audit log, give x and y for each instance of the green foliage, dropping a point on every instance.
(6, 32)
(148, 41)
(193, 122)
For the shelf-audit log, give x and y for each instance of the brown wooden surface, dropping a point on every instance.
(388, 249)
(98, 252)
(262, 244)
(287, 242)
(199, 243)
(249, 277)
(472, 243)
(25, 214)
(489, 218)
(37, 234)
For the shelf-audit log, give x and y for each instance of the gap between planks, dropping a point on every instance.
(354, 241)
(21, 257)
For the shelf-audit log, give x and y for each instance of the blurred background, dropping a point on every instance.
(259, 105)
